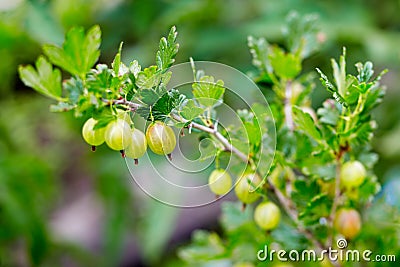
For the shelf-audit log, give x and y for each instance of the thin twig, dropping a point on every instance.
(228, 146)
(133, 106)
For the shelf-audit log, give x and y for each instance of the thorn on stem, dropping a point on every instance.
(93, 148)
(217, 197)
(122, 153)
(181, 132)
(169, 156)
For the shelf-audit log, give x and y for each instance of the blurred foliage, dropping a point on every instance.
(43, 168)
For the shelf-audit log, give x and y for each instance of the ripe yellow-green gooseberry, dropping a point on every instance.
(352, 174)
(118, 135)
(246, 186)
(267, 215)
(161, 138)
(138, 146)
(348, 222)
(220, 182)
(93, 137)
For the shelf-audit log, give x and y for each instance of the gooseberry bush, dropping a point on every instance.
(321, 178)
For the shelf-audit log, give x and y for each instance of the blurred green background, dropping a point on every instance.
(61, 205)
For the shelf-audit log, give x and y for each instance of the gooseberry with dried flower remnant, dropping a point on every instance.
(93, 137)
(138, 146)
(160, 138)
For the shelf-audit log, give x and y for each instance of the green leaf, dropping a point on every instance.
(207, 92)
(364, 132)
(365, 71)
(318, 207)
(375, 95)
(353, 90)
(44, 79)
(207, 147)
(285, 65)
(167, 103)
(168, 48)
(148, 78)
(263, 120)
(103, 121)
(74, 88)
(331, 88)
(87, 104)
(100, 79)
(204, 247)
(117, 61)
(190, 110)
(321, 169)
(135, 68)
(368, 189)
(306, 123)
(329, 113)
(233, 217)
(158, 108)
(79, 51)
(339, 73)
(253, 132)
(251, 126)
(62, 107)
(149, 96)
(144, 112)
(368, 159)
(245, 115)
(259, 51)
(301, 33)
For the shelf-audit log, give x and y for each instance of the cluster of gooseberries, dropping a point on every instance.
(120, 135)
(347, 220)
(266, 215)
